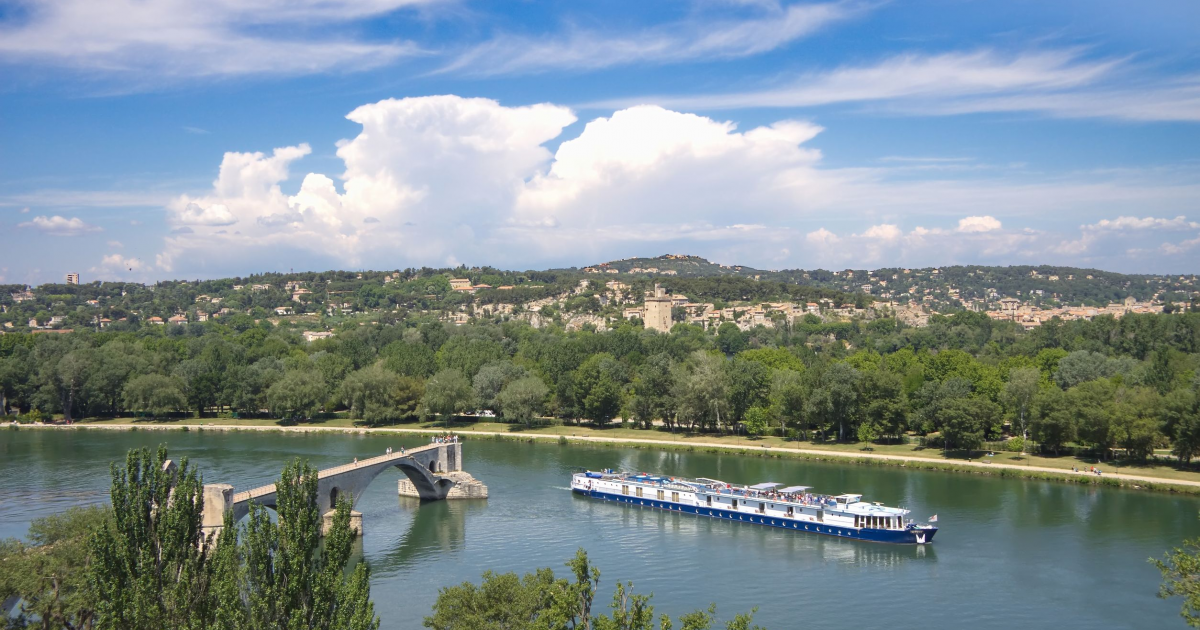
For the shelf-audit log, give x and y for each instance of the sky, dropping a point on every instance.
(157, 139)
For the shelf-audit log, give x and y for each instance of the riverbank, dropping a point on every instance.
(1178, 483)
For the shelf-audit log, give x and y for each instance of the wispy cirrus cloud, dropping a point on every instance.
(186, 38)
(774, 25)
(908, 76)
(1061, 83)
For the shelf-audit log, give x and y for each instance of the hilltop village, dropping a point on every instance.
(656, 293)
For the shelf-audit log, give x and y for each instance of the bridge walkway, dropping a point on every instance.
(387, 458)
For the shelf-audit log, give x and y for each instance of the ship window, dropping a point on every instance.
(624, 489)
(639, 492)
(709, 498)
(762, 508)
(660, 495)
(791, 512)
(734, 502)
(675, 497)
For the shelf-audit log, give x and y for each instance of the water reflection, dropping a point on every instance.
(436, 527)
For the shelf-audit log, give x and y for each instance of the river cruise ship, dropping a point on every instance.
(792, 507)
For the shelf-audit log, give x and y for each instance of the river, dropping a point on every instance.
(1010, 553)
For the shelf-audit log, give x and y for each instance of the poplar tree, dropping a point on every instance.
(152, 567)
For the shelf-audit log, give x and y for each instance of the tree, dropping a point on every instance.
(1092, 405)
(730, 339)
(49, 573)
(787, 397)
(967, 420)
(834, 399)
(1180, 570)
(883, 405)
(71, 374)
(297, 395)
(522, 400)
(749, 386)
(448, 393)
(757, 420)
(410, 358)
(1135, 421)
(1054, 423)
(652, 386)
(289, 578)
(154, 394)
(598, 387)
(1181, 420)
(375, 395)
(1019, 392)
(1079, 367)
(701, 390)
(201, 383)
(148, 567)
(152, 567)
(542, 601)
(468, 354)
(492, 378)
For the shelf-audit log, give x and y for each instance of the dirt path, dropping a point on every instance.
(617, 440)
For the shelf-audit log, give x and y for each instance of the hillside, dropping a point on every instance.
(949, 286)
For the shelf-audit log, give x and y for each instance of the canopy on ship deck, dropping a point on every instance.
(795, 489)
(768, 485)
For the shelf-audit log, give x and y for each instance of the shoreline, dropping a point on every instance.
(1038, 473)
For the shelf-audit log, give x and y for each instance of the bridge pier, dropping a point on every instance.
(356, 522)
(218, 499)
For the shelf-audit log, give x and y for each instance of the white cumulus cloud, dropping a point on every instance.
(978, 224)
(445, 179)
(60, 226)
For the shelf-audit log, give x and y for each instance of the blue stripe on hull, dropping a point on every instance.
(873, 535)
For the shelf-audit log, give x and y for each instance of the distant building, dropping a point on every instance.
(313, 335)
(157, 321)
(72, 278)
(460, 284)
(658, 310)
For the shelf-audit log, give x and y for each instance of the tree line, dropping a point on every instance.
(963, 380)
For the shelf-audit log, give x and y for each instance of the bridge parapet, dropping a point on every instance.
(421, 465)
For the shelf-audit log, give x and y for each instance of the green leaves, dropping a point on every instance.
(541, 601)
(152, 568)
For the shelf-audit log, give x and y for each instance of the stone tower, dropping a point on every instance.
(658, 310)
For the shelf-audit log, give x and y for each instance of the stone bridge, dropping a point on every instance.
(422, 465)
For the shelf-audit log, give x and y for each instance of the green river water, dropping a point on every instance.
(1010, 554)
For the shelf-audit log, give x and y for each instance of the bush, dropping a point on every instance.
(1015, 445)
(562, 440)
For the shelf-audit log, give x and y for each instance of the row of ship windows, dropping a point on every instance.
(872, 522)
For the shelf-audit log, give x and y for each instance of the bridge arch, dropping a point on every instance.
(418, 464)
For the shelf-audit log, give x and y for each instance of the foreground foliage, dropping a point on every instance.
(1180, 569)
(541, 601)
(48, 574)
(146, 564)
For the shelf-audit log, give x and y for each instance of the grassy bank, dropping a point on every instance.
(1155, 477)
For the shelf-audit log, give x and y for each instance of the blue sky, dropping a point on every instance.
(177, 139)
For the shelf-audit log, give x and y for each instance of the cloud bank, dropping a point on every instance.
(446, 179)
